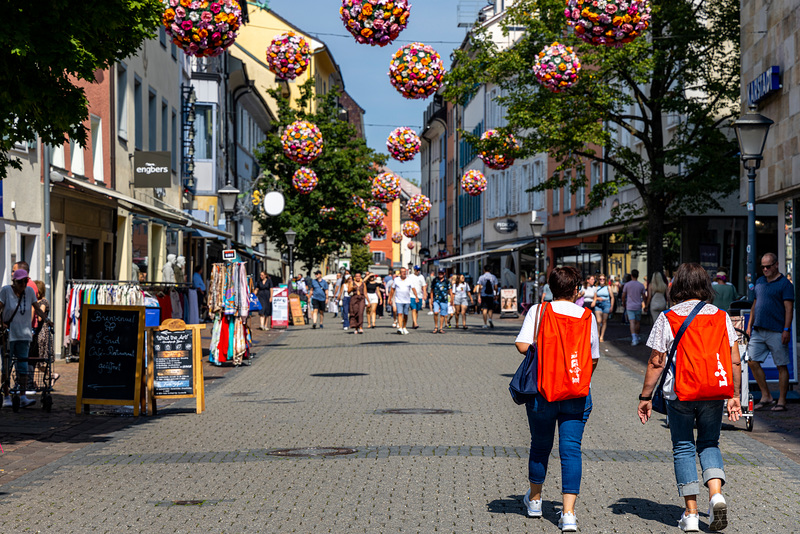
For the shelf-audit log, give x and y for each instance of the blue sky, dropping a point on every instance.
(364, 68)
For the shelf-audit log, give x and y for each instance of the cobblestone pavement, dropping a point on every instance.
(461, 467)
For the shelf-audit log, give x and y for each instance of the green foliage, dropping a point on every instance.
(360, 258)
(686, 64)
(344, 169)
(48, 45)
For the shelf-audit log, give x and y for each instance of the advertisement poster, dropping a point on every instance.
(280, 307)
(508, 303)
(173, 363)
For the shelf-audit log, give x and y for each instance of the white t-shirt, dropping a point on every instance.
(461, 290)
(482, 282)
(418, 283)
(20, 328)
(588, 293)
(402, 290)
(661, 336)
(561, 307)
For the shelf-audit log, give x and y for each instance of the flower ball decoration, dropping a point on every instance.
(503, 159)
(416, 70)
(403, 144)
(288, 56)
(327, 212)
(410, 229)
(397, 237)
(302, 142)
(367, 239)
(202, 29)
(473, 182)
(410, 246)
(608, 22)
(418, 206)
(557, 67)
(386, 187)
(375, 22)
(380, 230)
(304, 180)
(375, 216)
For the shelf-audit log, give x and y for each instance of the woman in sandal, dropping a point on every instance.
(373, 299)
(358, 300)
(462, 298)
(690, 288)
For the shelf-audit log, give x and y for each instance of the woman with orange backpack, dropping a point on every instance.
(564, 338)
(696, 343)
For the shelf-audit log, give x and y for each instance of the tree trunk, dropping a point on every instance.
(655, 238)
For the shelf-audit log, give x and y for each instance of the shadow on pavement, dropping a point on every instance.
(667, 514)
(513, 505)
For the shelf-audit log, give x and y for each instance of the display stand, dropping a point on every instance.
(296, 310)
(175, 364)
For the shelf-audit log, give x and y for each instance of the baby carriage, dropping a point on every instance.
(40, 375)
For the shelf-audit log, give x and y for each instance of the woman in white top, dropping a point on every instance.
(589, 292)
(461, 299)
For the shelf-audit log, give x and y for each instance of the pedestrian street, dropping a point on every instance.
(412, 433)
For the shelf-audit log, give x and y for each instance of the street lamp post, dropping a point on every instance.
(751, 132)
(291, 235)
(228, 195)
(536, 228)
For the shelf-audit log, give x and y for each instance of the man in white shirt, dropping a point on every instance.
(416, 303)
(402, 290)
(488, 289)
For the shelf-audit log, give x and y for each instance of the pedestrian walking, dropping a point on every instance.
(358, 300)
(319, 299)
(441, 292)
(488, 289)
(633, 296)
(264, 294)
(343, 296)
(373, 299)
(462, 298)
(603, 303)
(724, 293)
(657, 295)
(382, 295)
(416, 303)
(589, 290)
(42, 336)
(401, 293)
(770, 330)
(570, 414)
(703, 369)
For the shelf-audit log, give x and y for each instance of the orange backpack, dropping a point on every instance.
(703, 358)
(565, 355)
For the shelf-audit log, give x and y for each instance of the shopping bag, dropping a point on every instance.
(255, 304)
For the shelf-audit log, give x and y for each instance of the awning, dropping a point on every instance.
(453, 259)
(512, 247)
(138, 206)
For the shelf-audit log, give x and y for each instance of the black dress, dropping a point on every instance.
(264, 288)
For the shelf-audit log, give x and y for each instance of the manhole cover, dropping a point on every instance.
(311, 452)
(416, 411)
(336, 375)
(242, 394)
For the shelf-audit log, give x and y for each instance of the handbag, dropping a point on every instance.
(255, 304)
(524, 386)
(659, 402)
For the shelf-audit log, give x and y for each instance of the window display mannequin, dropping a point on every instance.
(178, 267)
(168, 270)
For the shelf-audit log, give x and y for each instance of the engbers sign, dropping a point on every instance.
(151, 169)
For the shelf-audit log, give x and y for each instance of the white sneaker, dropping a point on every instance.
(635, 341)
(7, 401)
(405, 331)
(24, 402)
(394, 325)
(485, 326)
(534, 508)
(689, 523)
(567, 522)
(345, 328)
(717, 513)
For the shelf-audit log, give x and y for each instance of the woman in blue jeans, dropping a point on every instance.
(570, 415)
(690, 286)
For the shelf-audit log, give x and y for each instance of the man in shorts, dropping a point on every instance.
(770, 330)
(488, 288)
(416, 303)
(319, 298)
(633, 297)
(441, 294)
(401, 292)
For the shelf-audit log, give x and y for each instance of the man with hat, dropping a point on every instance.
(441, 295)
(724, 293)
(418, 282)
(319, 298)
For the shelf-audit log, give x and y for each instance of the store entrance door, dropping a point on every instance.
(80, 261)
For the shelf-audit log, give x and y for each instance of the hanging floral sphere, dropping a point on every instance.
(288, 56)
(410, 229)
(403, 144)
(557, 67)
(608, 22)
(473, 182)
(380, 231)
(375, 22)
(397, 237)
(416, 70)
(202, 29)
(418, 206)
(503, 159)
(327, 212)
(367, 239)
(386, 187)
(304, 180)
(375, 216)
(410, 246)
(302, 142)
(359, 202)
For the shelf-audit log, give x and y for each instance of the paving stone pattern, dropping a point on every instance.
(457, 472)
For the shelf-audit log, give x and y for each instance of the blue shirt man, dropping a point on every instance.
(319, 296)
(197, 279)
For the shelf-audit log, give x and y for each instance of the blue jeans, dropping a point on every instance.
(19, 350)
(571, 416)
(682, 416)
(346, 312)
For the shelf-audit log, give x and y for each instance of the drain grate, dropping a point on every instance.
(337, 375)
(190, 502)
(311, 452)
(416, 411)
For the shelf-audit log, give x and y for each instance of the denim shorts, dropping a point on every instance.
(440, 307)
(605, 306)
(461, 301)
(416, 304)
(762, 342)
(403, 309)
(634, 315)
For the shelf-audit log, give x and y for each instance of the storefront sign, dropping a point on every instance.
(763, 86)
(508, 303)
(505, 227)
(280, 307)
(175, 364)
(229, 255)
(151, 169)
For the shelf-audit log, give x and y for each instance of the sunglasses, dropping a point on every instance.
(770, 266)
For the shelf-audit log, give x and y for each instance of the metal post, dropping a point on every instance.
(48, 249)
(537, 297)
(291, 264)
(229, 228)
(751, 231)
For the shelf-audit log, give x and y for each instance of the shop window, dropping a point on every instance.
(76, 167)
(139, 241)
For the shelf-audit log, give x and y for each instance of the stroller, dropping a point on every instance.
(40, 374)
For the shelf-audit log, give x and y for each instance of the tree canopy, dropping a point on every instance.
(46, 46)
(344, 169)
(656, 111)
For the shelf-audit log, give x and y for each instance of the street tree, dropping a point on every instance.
(684, 69)
(46, 48)
(360, 258)
(344, 170)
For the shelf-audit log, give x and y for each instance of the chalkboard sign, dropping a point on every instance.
(173, 362)
(111, 355)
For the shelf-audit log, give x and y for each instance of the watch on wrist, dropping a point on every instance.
(643, 398)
